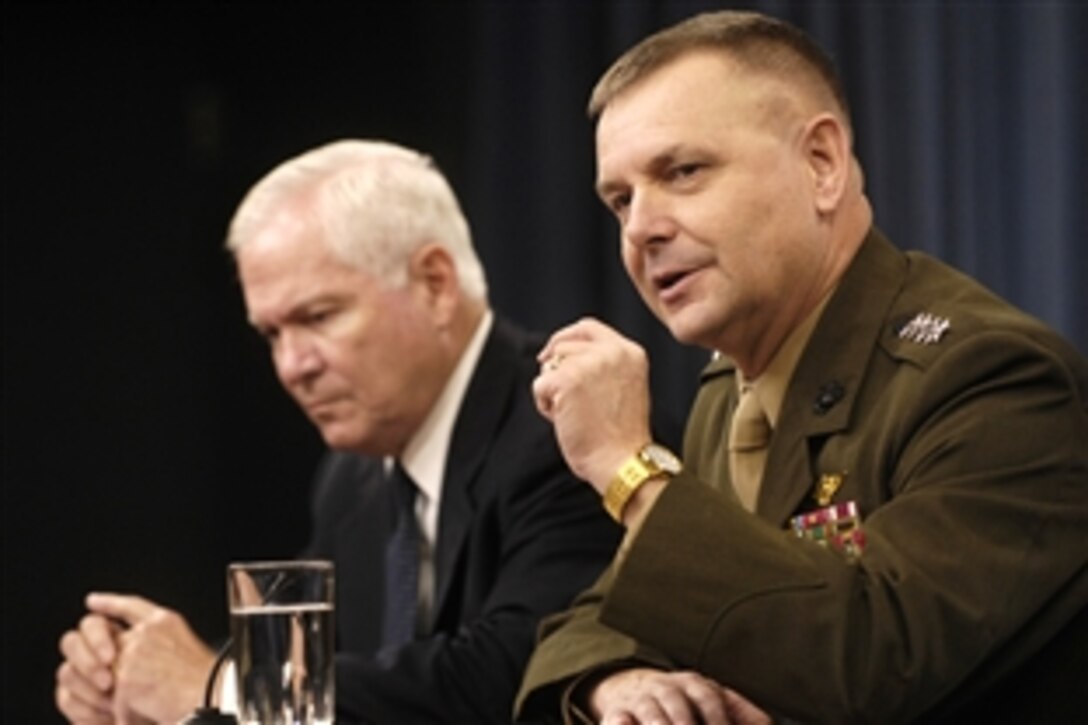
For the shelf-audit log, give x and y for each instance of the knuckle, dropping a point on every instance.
(67, 704)
(170, 616)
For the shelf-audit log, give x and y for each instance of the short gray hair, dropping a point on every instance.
(756, 41)
(376, 202)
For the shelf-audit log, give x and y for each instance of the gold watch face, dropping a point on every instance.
(661, 458)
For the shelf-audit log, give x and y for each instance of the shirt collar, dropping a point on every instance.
(770, 386)
(424, 457)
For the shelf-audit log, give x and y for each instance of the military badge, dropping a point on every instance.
(924, 329)
(838, 527)
(826, 487)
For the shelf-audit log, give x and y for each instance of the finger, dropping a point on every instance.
(704, 696)
(128, 608)
(76, 712)
(741, 710)
(619, 718)
(100, 636)
(590, 329)
(584, 330)
(84, 661)
(543, 394)
(565, 355)
(120, 702)
(683, 698)
(120, 714)
(78, 699)
(551, 364)
(548, 351)
(708, 701)
(650, 710)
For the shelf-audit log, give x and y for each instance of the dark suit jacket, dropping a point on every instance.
(968, 457)
(518, 537)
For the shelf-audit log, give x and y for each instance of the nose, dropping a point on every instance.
(296, 358)
(648, 219)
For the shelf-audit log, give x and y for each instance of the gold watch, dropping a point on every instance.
(651, 461)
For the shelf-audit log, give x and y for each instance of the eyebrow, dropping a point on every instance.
(304, 307)
(605, 189)
(656, 164)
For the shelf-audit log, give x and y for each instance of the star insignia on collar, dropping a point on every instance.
(924, 329)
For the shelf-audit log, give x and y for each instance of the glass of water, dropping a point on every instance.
(281, 619)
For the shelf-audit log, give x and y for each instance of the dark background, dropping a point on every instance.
(146, 442)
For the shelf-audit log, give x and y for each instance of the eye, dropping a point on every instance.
(681, 172)
(268, 334)
(318, 316)
(618, 203)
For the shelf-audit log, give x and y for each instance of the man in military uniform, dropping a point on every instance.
(881, 510)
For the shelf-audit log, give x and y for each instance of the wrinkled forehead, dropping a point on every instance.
(708, 79)
(694, 98)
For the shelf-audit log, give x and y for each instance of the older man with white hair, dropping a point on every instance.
(357, 267)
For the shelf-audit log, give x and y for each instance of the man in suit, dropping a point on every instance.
(358, 269)
(881, 510)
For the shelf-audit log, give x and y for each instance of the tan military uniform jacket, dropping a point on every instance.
(966, 449)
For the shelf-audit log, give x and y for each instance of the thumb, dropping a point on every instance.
(126, 608)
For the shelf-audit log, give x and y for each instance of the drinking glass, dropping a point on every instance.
(282, 620)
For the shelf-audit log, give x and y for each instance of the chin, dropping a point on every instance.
(691, 325)
(339, 438)
(683, 331)
(363, 442)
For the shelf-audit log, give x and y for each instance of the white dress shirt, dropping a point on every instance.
(424, 459)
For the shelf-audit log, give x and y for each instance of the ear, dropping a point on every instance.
(432, 275)
(826, 147)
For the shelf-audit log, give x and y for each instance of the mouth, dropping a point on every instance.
(666, 281)
(671, 283)
(320, 408)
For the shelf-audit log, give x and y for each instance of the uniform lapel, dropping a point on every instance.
(823, 391)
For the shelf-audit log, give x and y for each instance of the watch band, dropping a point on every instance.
(650, 462)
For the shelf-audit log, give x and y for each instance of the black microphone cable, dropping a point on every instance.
(209, 714)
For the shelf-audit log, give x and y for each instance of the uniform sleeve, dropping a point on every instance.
(571, 645)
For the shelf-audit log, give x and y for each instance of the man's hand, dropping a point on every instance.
(642, 696)
(594, 388)
(84, 691)
(159, 667)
